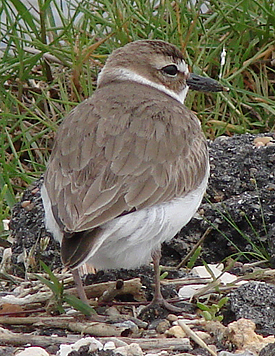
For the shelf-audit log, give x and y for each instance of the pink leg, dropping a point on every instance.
(158, 298)
(79, 286)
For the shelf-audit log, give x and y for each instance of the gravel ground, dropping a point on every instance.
(239, 206)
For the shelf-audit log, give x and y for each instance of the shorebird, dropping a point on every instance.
(129, 166)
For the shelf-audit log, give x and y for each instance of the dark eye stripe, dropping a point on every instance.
(171, 70)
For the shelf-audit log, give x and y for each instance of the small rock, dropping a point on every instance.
(204, 336)
(262, 141)
(27, 205)
(259, 144)
(175, 331)
(162, 326)
(35, 190)
(172, 317)
(112, 311)
(129, 350)
(129, 325)
(242, 334)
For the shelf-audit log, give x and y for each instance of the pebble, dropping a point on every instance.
(262, 141)
(241, 333)
(129, 350)
(27, 205)
(112, 311)
(175, 331)
(204, 336)
(153, 325)
(162, 326)
(35, 190)
(172, 317)
(128, 324)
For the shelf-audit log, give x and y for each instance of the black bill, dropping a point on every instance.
(198, 83)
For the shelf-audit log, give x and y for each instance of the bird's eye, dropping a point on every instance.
(171, 70)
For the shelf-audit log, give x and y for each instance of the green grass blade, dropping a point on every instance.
(25, 15)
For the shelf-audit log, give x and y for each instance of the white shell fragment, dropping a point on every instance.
(91, 341)
(188, 291)
(33, 351)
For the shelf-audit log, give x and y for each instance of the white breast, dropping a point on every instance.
(128, 241)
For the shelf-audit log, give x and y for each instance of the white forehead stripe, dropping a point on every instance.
(127, 74)
(183, 67)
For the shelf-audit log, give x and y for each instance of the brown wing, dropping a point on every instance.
(115, 152)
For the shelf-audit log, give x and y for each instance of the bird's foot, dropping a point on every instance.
(158, 304)
(169, 306)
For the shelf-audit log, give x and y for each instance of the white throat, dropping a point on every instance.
(127, 74)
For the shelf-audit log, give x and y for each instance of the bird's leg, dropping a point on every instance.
(82, 294)
(158, 297)
(79, 286)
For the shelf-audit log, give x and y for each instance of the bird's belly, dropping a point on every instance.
(129, 240)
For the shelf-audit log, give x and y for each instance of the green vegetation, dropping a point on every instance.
(60, 296)
(50, 59)
(258, 249)
(209, 312)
